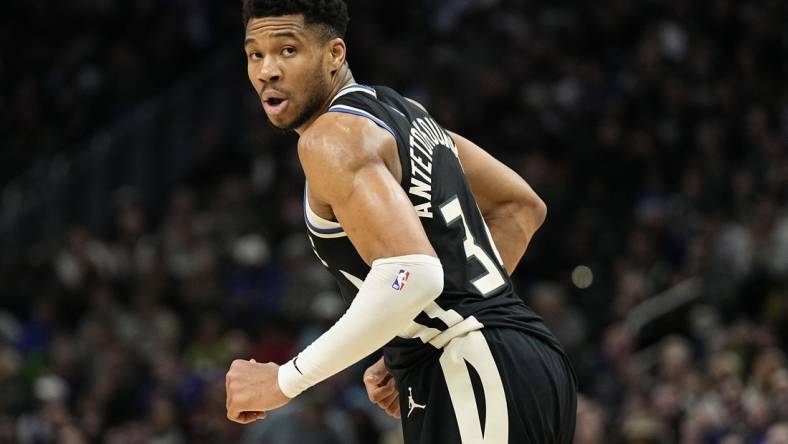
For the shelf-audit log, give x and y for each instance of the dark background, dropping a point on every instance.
(151, 225)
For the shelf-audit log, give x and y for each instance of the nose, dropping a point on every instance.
(269, 71)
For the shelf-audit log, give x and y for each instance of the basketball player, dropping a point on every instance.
(395, 208)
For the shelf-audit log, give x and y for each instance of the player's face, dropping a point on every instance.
(287, 64)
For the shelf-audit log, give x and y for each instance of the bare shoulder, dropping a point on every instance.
(339, 138)
(337, 146)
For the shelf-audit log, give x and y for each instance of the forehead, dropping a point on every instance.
(269, 27)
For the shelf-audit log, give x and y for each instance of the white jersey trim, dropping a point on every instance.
(362, 113)
(317, 225)
(355, 87)
(473, 350)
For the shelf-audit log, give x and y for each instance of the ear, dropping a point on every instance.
(337, 54)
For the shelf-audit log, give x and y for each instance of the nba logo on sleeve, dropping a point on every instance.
(402, 278)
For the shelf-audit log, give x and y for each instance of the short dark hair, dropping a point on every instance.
(330, 14)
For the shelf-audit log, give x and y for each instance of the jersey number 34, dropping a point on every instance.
(492, 279)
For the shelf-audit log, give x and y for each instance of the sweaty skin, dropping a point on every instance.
(353, 171)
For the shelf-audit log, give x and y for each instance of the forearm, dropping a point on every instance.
(512, 226)
(378, 313)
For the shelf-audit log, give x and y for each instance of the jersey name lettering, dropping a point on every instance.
(425, 136)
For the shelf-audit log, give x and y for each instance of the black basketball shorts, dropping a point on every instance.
(490, 386)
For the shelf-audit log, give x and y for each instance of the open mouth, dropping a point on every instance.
(274, 105)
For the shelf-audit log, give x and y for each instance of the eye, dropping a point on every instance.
(288, 51)
(254, 55)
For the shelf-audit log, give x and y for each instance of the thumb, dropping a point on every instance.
(252, 360)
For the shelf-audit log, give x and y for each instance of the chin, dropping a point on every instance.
(290, 122)
(279, 124)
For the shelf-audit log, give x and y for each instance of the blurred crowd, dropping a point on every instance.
(656, 133)
(70, 68)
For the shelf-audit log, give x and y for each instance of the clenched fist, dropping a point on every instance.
(252, 390)
(382, 389)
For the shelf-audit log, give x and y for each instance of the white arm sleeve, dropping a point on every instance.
(394, 292)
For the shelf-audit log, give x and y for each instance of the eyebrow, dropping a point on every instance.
(285, 34)
(278, 34)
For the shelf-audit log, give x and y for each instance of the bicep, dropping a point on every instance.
(379, 218)
(492, 182)
(346, 170)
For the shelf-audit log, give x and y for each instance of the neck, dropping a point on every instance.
(342, 79)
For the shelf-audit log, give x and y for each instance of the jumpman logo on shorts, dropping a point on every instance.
(412, 404)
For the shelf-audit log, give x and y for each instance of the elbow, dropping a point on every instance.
(429, 287)
(533, 210)
(539, 210)
(435, 286)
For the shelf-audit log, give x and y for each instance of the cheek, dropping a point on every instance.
(251, 73)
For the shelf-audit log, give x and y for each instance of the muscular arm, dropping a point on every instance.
(510, 207)
(344, 160)
(346, 169)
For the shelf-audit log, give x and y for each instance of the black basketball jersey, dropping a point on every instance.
(477, 291)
